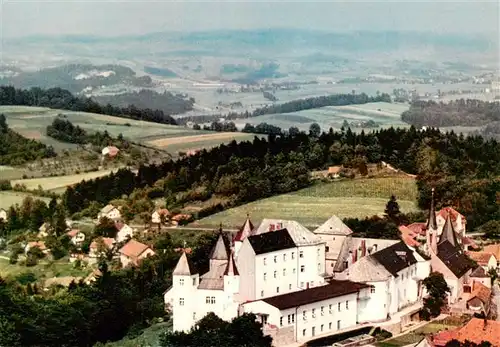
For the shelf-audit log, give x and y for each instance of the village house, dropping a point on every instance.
(110, 151)
(334, 171)
(110, 212)
(495, 250)
(3, 215)
(484, 259)
(133, 252)
(99, 247)
(38, 244)
(92, 277)
(76, 237)
(479, 299)
(476, 330)
(124, 232)
(481, 276)
(44, 229)
(159, 215)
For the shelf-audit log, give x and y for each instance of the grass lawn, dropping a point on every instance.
(9, 198)
(58, 182)
(43, 270)
(313, 205)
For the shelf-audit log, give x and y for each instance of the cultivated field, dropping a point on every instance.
(313, 205)
(9, 198)
(384, 114)
(56, 183)
(32, 122)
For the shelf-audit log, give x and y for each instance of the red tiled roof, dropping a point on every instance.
(163, 212)
(468, 241)
(180, 217)
(408, 236)
(494, 249)
(133, 249)
(419, 228)
(73, 232)
(476, 330)
(481, 292)
(334, 169)
(482, 258)
(108, 242)
(443, 213)
(185, 250)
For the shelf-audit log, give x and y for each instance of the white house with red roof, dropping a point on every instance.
(156, 216)
(133, 252)
(124, 232)
(76, 236)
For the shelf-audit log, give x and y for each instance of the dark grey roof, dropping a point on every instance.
(303, 297)
(271, 241)
(395, 258)
(479, 273)
(454, 258)
(184, 266)
(448, 233)
(220, 251)
(431, 220)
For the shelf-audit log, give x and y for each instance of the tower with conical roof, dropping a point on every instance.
(244, 232)
(231, 277)
(432, 226)
(182, 296)
(448, 233)
(219, 254)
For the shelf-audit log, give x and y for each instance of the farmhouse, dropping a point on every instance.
(76, 237)
(495, 250)
(133, 252)
(124, 232)
(110, 212)
(334, 171)
(159, 215)
(484, 259)
(3, 215)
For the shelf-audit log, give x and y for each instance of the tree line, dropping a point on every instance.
(454, 113)
(463, 170)
(58, 98)
(294, 106)
(16, 149)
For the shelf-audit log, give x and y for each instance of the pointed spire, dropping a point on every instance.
(184, 266)
(448, 233)
(231, 269)
(245, 231)
(431, 221)
(220, 251)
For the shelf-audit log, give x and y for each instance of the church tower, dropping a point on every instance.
(432, 227)
(185, 282)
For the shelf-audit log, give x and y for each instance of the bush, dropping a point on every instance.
(5, 185)
(31, 260)
(13, 258)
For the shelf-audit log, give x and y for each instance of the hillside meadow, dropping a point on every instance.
(314, 205)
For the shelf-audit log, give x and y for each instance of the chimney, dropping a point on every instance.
(363, 248)
(271, 227)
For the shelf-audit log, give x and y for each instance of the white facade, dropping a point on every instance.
(3, 214)
(124, 233)
(110, 212)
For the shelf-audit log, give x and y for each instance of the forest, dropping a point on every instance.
(295, 106)
(58, 98)
(16, 149)
(465, 171)
(454, 113)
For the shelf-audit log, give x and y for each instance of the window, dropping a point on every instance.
(372, 290)
(317, 251)
(284, 272)
(264, 319)
(302, 268)
(322, 310)
(290, 286)
(293, 317)
(284, 257)
(265, 276)
(338, 307)
(289, 319)
(312, 283)
(304, 332)
(265, 261)
(330, 308)
(277, 289)
(261, 293)
(293, 255)
(181, 301)
(194, 281)
(194, 315)
(207, 300)
(327, 249)
(304, 315)
(313, 332)
(322, 327)
(338, 325)
(181, 281)
(212, 299)
(319, 266)
(275, 274)
(314, 313)
(281, 321)
(293, 270)
(301, 284)
(330, 326)
(275, 258)
(301, 254)
(347, 305)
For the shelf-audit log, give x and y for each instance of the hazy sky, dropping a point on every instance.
(35, 17)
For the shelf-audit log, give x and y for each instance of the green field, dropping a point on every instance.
(31, 122)
(9, 198)
(313, 205)
(150, 337)
(43, 270)
(384, 114)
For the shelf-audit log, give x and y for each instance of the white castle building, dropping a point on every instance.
(278, 272)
